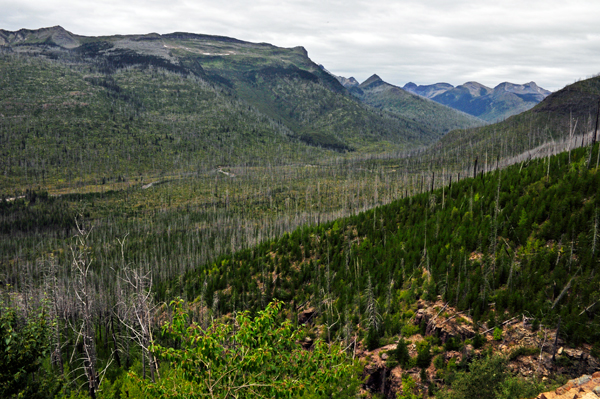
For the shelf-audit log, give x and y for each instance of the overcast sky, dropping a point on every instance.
(550, 42)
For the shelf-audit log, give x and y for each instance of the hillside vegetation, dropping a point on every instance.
(567, 116)
(81, 110)
(379, 94)
(185, 214)
(523, 240)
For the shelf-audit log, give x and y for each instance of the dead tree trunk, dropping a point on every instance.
(135, 308)
(80, 269)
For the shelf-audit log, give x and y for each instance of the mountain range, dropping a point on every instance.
(282, 84)
(385, 96)
(472, 98)
(489, 104)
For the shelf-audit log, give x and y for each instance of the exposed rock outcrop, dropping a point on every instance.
(529, 352)
(584, 387)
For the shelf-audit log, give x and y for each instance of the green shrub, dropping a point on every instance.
(491, 323)
(523, 351)
(408, 330)
(24, 344)
(489, 378)
(453, 344)
(482, 381)
(423, 376)
(391, 362)
(563, 361)
(439, 362)
(497, 334)
(478, 341)
(451, 366)
(372, 339)
(263, 358)
(409, 388)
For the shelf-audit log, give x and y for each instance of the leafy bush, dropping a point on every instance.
(23, 347)
(497, 334)
(260, 357)
(409, 388)
(489, 378)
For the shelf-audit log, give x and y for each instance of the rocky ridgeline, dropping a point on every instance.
(584, 387)
(529, 351)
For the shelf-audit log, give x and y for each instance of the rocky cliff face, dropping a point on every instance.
(347, 82)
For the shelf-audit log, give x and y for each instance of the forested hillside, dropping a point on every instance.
(522, 240)
(379, 94)
(563, 115)
(188, 213)
(78, 111)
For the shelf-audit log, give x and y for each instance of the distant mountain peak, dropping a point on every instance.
(428, 91)
(348, 83)
(302, 51)
(373, 81)
(530, 88)
(54, 35)
(504, 100)
(476, 89)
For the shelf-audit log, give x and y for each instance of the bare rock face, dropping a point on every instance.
(584, 387)
(378, 377)
(445, 325)
(347, 82)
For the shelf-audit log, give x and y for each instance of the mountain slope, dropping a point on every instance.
(382, 95)
(428, 91)
(572, 109)
(491, 105)
(81, 109)
(494, 247)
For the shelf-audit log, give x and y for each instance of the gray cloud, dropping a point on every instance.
(425, 41)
